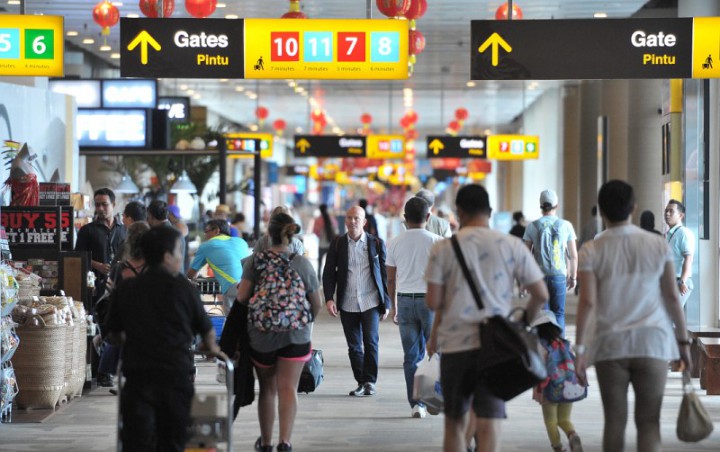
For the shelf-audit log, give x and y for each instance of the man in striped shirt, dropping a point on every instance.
(355, 267)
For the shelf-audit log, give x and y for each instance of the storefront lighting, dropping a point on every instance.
(183, 184)
(126, 185)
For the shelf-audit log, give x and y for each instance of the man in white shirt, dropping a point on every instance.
(495, 261)
(355, 266)
(682, 245)
(407, 258)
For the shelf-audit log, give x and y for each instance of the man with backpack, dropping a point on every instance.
(552, 241)
(355, 266)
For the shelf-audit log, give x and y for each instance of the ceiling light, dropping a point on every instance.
(13, 2)
(118, 4)
(133, 16)
(126, 185)
(292, 84)
(224, 80)
(231, 16)
(600, 15)
(196, 96)
(253, 96)
(254, 127)
(72, 33)
(298, 129)
(105, 48)
(183, 184)
(184, 87)
(220, 5)
(88, 41)
(190, 91)
(115, 56)
(239, 89)
(470, 84)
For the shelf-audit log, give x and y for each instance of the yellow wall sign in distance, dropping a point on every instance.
(361, 49)
(31, 45)
(513, 147)
(706, 47)
(385, 147)
(244, 145)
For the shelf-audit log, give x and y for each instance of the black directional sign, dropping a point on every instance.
(181, 48)
(581, 49)
(443, 146)
(329, 146)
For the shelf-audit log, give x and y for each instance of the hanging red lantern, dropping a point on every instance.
(461, 114)
(200, 8)
(261, 113)
(279, 126)
(405, 122)
(317, 115)
(393, 8)
(416, 9)
(294, 12)
(411, 134)
(366, 118)
(454, 126)
(106, 15)
(150, 8)
(412, 116)
(502, 12)
(416, 42)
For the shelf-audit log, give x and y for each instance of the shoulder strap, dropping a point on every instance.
(466, 272)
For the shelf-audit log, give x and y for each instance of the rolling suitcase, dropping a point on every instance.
(312, 373)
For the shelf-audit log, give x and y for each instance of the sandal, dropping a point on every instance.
(260, 448)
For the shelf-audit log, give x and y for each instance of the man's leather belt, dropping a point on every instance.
(411, 295)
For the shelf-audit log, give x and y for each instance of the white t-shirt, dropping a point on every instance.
(629, 319)
(495, 260)
(409, 253)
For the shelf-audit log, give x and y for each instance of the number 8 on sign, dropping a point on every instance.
(385, 47)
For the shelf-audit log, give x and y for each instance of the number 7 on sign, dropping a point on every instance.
(351, 47)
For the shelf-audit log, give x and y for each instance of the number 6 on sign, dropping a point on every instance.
(385, 47)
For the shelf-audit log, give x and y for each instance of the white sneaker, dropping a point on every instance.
(419, 412)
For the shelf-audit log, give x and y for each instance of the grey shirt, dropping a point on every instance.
(269, 341)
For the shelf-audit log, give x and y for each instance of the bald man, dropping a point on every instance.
(355, 266)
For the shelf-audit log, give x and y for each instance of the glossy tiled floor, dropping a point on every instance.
(330, 420)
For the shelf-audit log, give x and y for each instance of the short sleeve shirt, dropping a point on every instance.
(223, 254)
(630, 319)
(495, 261)
(269, 341)
(682, 243)
(566, 233)
(409, 253)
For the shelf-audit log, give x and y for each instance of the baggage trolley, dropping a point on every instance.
(211, 414)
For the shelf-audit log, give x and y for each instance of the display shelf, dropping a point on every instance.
(8, 356)
(7, 309)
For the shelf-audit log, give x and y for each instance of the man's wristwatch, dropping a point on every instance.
(579, 349)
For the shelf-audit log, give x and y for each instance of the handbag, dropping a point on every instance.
(510, 357)
(694, 423)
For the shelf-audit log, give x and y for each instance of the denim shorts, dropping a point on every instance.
(462, 386)
(292, 352)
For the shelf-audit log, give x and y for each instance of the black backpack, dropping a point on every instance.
(312, 373)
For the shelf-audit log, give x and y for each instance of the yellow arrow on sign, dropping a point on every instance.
(143, 39)
(436, 145)
(303, 144)
(496, 41)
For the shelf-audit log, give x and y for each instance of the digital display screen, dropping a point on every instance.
(105, 128)
(141, 93)
(178, 107)
(86, 92)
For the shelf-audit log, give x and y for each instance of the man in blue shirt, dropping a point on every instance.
(223, 254)
(682, 244)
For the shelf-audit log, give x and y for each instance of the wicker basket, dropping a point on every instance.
(77, 376)
(40, 364)
(70, 345)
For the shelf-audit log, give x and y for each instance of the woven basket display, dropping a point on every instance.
(40, 364)
(77, 375)
(70, 344)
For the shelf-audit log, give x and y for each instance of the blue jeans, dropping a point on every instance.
(361, 334)
(415, 321)
(557, 287)
(109, 359)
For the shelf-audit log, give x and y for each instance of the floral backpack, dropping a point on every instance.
(562, 384)
(279, 302)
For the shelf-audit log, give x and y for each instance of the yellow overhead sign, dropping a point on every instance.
(31, 45)
(326, 49)
(706, 47)
(513, 147)
(385, 147)
(244, 145)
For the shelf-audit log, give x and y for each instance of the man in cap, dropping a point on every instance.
(552, 241)
(435, 224)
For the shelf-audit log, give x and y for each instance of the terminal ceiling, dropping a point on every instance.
(439, 84)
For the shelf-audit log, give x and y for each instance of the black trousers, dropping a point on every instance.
(156, 414)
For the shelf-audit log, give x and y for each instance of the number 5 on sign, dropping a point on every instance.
(9, 43)
(385, 47)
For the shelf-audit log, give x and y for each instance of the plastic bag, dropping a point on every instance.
(426, 386)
